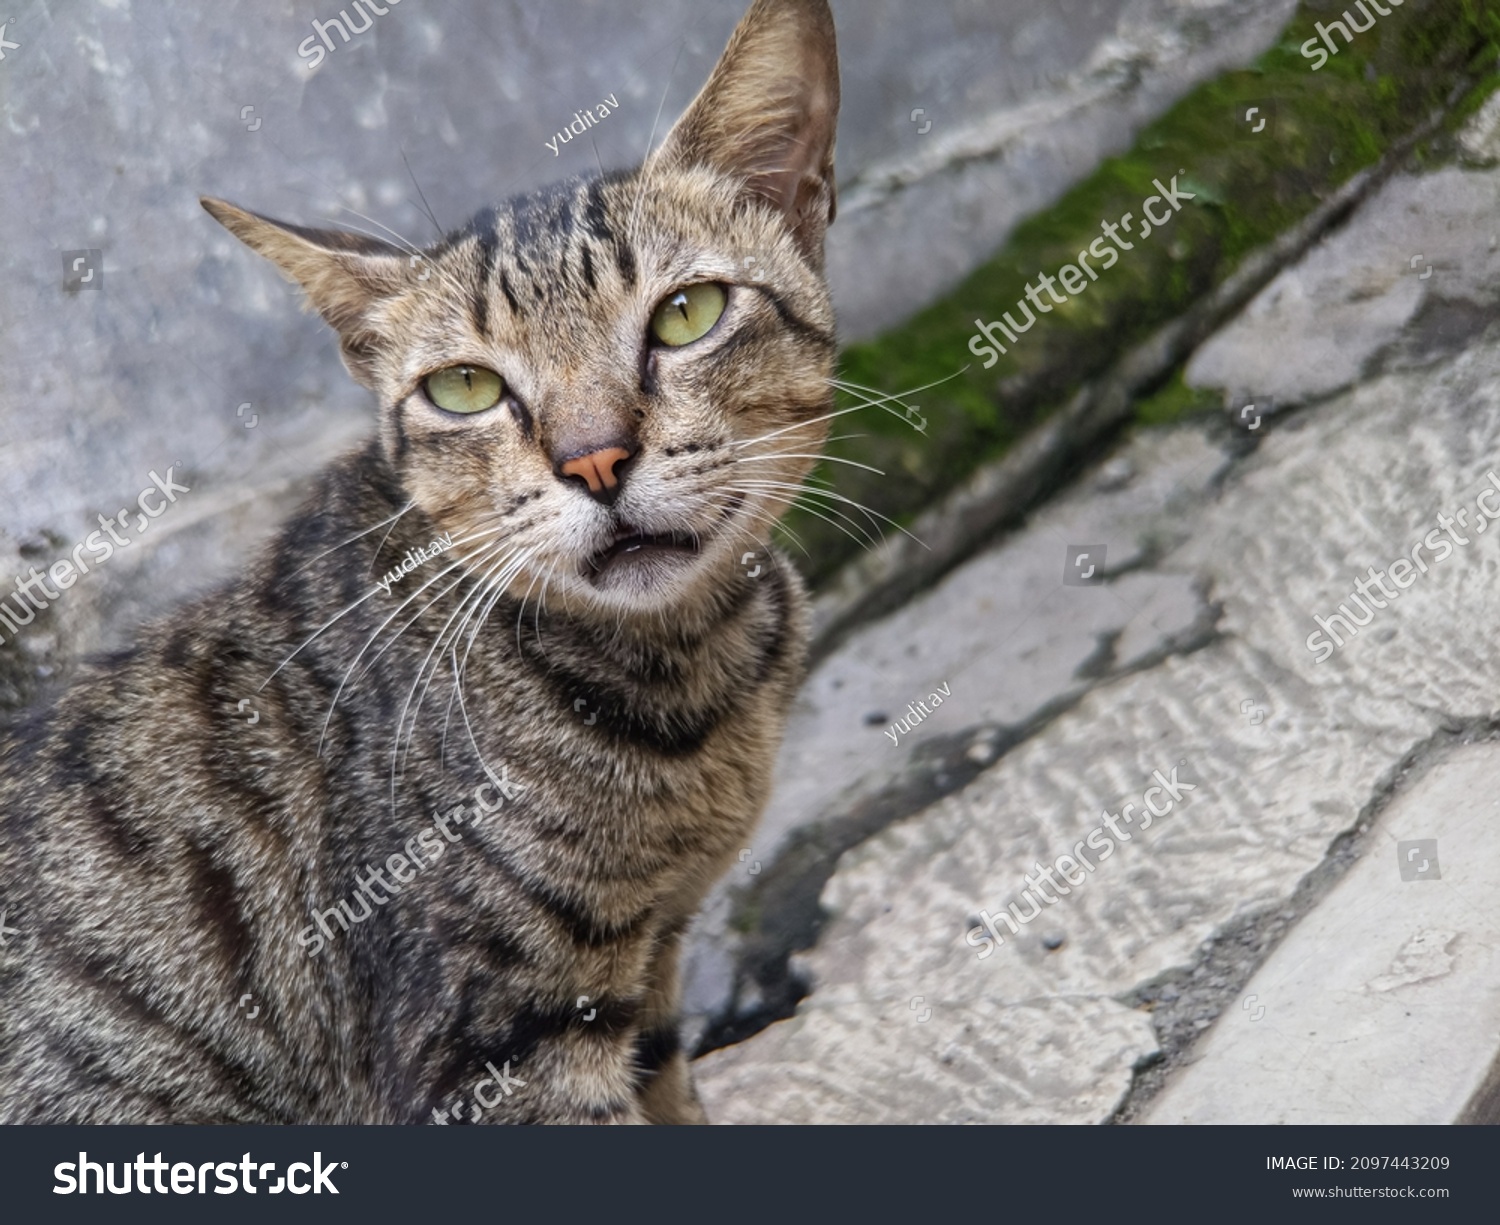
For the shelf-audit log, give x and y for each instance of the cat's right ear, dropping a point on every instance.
(768, 115)
(345, 275)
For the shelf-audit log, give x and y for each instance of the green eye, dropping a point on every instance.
(464, 389)
(687, 314)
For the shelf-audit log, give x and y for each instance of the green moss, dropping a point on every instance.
(1323, 127)
(746, 917)
(1175, 401)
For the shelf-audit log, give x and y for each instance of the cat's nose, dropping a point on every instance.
(599, 470)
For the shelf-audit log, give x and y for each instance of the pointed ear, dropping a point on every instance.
(767, 115)
(344, 275)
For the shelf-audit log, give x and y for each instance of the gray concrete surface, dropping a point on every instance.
(935, 199)
(1009, 641)
(185, 348)
(1416, 276)
(1401, 1025)
(1098, 1003)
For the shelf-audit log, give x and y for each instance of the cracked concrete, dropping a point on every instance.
(1402, 1025)
(1010, 640)
(1413, 279)
(1294, 760)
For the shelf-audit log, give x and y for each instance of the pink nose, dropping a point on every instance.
(597, 469)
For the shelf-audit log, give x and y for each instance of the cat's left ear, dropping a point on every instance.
(768, 115)
(344, 275)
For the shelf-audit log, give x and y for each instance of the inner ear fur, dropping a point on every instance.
(344, 274)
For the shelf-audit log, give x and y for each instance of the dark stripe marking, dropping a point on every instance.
(221, 910)
(655, 1048)
(593, 213)
(488, 247)
(795, 324)
(510, 294)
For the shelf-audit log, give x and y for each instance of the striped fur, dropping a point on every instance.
(174, 827)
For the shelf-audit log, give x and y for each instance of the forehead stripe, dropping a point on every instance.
(510, 294)
(481, 299)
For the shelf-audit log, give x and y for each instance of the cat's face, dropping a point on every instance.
(616, 451)
(612, 388)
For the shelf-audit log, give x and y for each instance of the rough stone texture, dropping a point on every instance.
(1288, 754)
(1358, 302)
(1401, 1025)
(117, 116)
(1003, 634)
(1256, 824)
(991, 499)
(974, 1060)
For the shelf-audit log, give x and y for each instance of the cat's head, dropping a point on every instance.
(613, 386)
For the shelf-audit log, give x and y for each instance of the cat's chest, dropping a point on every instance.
(609, 762)
(631, 782)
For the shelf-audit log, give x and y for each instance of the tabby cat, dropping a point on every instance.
(517, 682)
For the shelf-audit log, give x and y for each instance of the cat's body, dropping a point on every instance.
(234, 856)
(185, 850)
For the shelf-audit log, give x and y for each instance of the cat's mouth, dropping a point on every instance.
(631, 546)
(646, 556)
